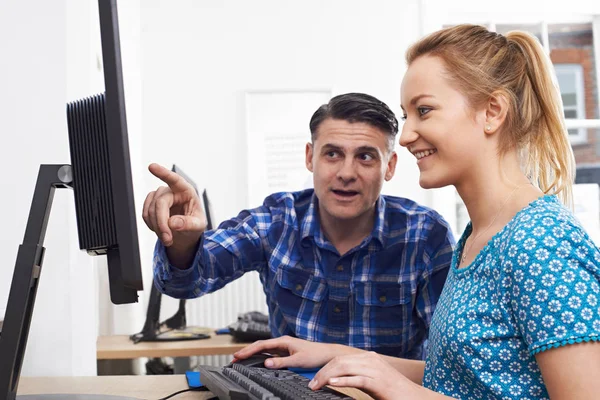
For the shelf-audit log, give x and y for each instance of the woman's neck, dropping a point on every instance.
(495, 194)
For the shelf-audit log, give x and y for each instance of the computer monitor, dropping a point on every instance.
(100, 176)
(175, 327)
(102, 183)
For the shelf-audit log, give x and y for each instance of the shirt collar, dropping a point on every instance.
(311, 226)
(379, 227)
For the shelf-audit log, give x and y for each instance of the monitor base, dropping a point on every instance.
(72, 397)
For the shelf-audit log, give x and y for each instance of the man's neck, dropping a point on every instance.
(345, 234)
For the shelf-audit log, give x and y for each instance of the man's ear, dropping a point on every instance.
(391, 166)
(495, 113)
(309, 157)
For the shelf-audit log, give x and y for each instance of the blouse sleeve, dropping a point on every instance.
(554, 292)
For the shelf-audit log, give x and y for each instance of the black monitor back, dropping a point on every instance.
(102, 182)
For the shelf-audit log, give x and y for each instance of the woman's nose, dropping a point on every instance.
(408, 135)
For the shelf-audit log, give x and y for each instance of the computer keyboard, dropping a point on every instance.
(250, 327)
(240, 382)
(249, 331)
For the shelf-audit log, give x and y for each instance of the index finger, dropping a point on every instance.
(339, 366)
(175, 181)
(259, 346)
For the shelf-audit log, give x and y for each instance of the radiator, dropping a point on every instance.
(221, 308)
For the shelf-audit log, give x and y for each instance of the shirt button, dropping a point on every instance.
(382, 299)
(298, 287)
(337, 309)
(340, 268)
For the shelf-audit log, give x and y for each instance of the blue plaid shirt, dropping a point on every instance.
(379, 296)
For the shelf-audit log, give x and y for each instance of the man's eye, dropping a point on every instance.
(423, 110)
(367, 157)
(331, 154)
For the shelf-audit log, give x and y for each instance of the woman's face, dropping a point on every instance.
(441, 129)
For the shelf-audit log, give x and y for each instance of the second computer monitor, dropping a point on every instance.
(205, 200)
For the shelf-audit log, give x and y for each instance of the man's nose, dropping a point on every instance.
(347, 171)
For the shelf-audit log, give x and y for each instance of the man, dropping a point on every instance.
(340, 263)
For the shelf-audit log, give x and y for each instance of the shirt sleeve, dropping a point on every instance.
(437, 258)
(551, 279)
(223, 255)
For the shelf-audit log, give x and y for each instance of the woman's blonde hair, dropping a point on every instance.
(480, 63)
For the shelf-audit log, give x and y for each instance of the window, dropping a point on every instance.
(570, 82)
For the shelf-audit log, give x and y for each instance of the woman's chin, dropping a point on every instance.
(428, 182)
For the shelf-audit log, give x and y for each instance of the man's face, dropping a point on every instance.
(349, 162)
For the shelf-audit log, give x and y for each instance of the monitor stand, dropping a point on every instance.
(172, 329)
(23, 289)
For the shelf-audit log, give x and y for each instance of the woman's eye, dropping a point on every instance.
(423, 110)
(403, 118)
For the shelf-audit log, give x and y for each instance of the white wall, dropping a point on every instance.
(200, 57)
(34, 87)
(50, 56)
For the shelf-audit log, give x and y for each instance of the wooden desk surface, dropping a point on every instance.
(121, 347)
(138, 386)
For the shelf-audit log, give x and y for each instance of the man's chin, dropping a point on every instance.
(343, 213)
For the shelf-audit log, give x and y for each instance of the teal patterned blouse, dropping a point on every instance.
(533, 287)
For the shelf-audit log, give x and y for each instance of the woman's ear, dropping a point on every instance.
(495, 113)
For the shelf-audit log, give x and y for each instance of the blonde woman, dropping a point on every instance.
(519, 316)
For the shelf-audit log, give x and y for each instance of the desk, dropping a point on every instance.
(120, 347)
(143, 387)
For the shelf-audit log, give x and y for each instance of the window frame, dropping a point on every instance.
(577, 70)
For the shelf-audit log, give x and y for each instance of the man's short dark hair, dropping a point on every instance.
(357, 107)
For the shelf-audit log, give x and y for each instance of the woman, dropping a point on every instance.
(519, 316)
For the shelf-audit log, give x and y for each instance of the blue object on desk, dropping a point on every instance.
(222, 331)
(193, 379)
(306, 372)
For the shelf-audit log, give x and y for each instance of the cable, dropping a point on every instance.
(181, 391)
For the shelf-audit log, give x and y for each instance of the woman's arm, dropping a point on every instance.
(294, 352)
(571, 371)
(412, 369)
(373, 374)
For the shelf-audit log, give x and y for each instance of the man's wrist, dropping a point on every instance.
(181, 257)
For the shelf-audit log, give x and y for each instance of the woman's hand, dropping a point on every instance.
(294, 352)
(369, 372)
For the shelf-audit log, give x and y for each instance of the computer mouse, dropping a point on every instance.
(256, 360)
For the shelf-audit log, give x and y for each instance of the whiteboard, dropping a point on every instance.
(277, 131)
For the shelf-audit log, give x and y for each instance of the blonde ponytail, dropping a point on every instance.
(549, 159)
